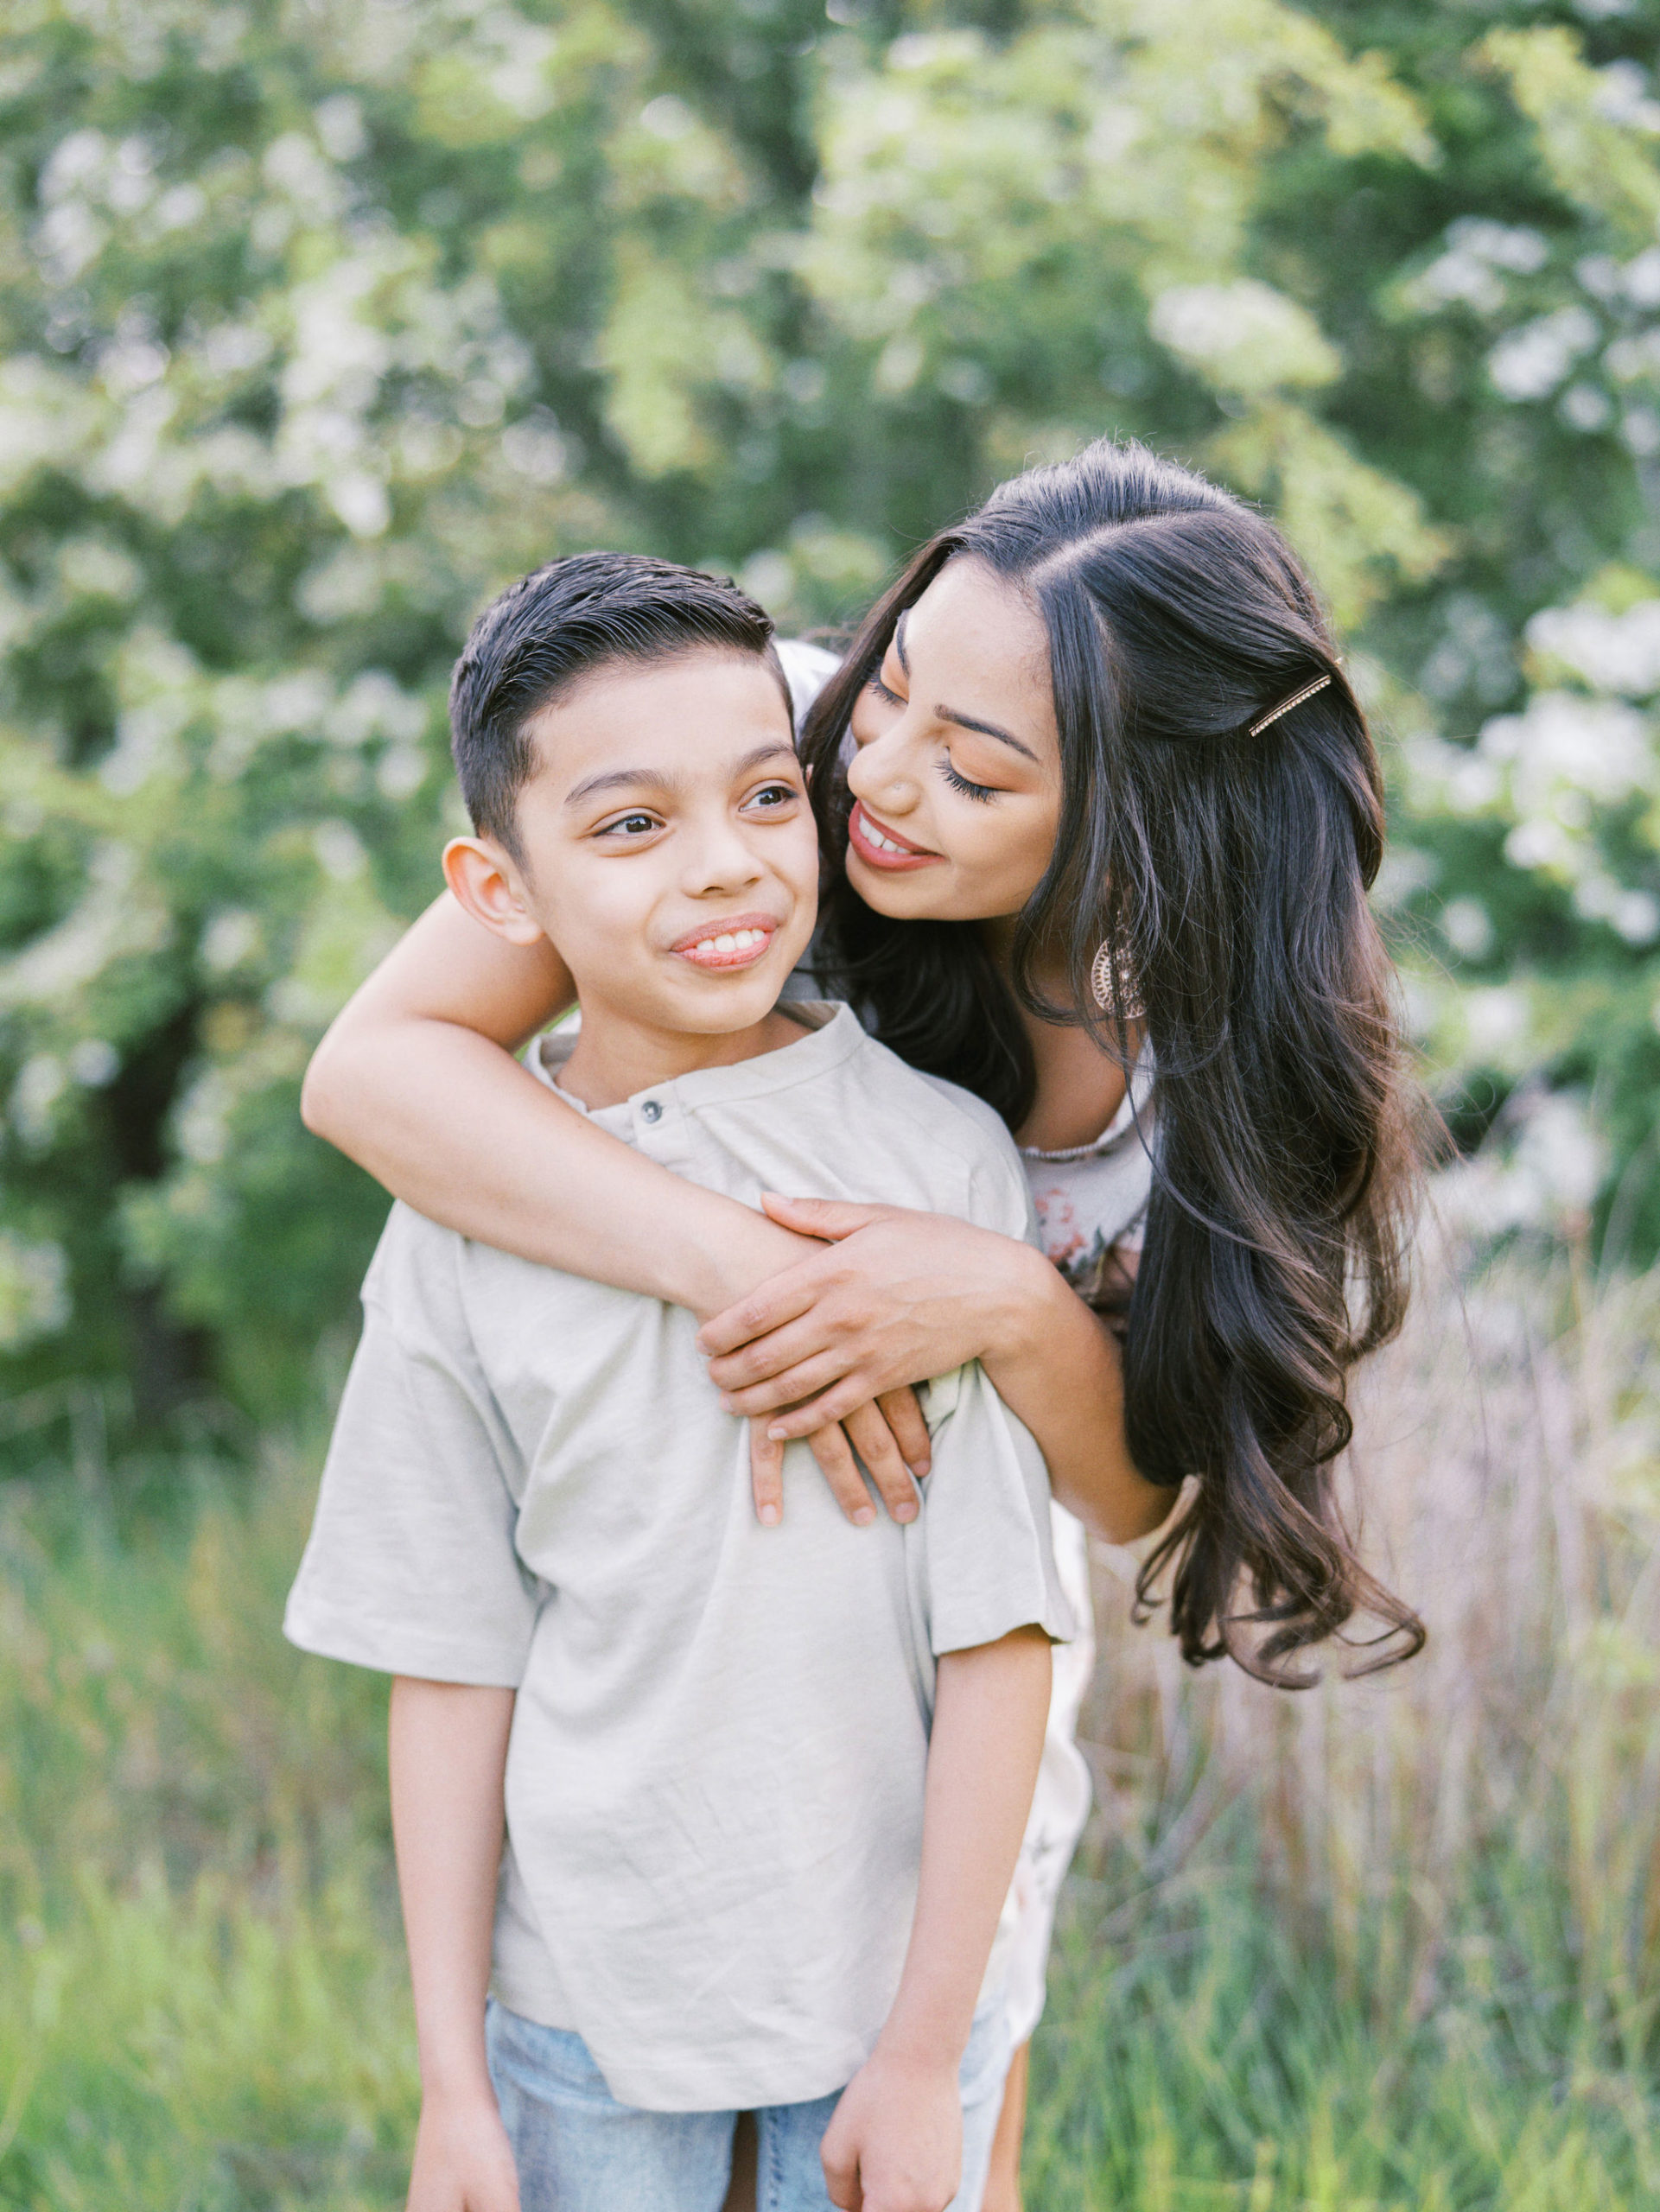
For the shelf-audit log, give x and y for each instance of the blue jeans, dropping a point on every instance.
(578, 2150)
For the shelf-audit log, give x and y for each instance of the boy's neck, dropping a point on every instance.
(616, 1057)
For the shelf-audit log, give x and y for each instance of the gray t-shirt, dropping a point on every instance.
(714, 1781)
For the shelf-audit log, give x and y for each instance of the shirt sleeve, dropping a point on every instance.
(411, 1566)
(985, 1526)
(986, 1515)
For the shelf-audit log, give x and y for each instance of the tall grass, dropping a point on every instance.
(1393, 1942)
(1387, 1944)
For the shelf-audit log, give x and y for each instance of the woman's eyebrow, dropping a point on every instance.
(950, 714)
(987, 729)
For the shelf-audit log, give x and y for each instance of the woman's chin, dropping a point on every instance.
(906, 893)
(924, 894)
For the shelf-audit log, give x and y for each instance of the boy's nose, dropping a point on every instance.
(722, 861)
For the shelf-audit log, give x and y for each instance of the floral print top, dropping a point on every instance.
(1091, 1199)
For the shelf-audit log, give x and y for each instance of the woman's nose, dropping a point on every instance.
(881, 772)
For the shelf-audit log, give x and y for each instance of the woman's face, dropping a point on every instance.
(957, 778)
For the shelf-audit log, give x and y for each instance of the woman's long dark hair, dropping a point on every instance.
(1230, 873)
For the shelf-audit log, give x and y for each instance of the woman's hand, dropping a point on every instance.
(895, 1298)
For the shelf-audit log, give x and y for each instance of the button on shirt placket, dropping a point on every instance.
(660, 1129)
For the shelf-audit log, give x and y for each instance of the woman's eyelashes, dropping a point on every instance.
(885, 692)
(981, 792)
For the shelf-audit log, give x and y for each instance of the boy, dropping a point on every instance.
(764, 1789)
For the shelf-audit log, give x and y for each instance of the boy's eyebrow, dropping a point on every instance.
(660, 779)
(951, 714)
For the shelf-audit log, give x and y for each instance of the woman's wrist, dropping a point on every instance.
(715, 1266)
(1024, 1293)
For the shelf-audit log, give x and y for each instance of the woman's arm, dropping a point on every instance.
(447, 1751)
(900, 1296)
(416, 1082)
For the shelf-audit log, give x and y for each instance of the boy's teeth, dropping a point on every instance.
(730, 941)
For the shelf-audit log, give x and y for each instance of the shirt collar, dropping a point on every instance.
(834, 1037)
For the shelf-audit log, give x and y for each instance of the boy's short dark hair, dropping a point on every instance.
(553, 627)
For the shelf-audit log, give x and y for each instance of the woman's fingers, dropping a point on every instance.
(836, 1403)
(829, 1218)
(771, 1356)
(835, 1462)
(782, 1299)
(789, 1388)
(872, 1438)
(766, 1475)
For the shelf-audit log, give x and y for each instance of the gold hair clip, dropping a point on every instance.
(1286, 705)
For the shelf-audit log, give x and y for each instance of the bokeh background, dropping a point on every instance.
(321, 320)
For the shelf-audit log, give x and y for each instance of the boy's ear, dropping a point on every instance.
(482, 878)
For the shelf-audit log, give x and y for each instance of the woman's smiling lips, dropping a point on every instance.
(733, 941)
(880, 847)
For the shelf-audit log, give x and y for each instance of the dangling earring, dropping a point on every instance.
(1111, 982)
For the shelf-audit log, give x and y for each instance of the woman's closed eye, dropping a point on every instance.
(884, 692)
(959, 783)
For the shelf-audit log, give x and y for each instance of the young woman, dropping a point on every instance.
(1100, 812)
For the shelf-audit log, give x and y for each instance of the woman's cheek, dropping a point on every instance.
(1013, 861)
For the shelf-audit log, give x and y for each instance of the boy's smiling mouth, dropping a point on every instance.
(734, 941)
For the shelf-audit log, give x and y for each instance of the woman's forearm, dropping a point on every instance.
(898, 1297)
(451, 1124)
(1057, 1366)
(415, 1081)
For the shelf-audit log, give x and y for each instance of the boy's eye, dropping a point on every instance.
(632, 825)
(771, 797)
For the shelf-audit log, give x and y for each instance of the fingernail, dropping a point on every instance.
(768, 1517)
(864, 1516)
(727, 1405)
(778, 1435)
(921, 1469)
(905, 1513)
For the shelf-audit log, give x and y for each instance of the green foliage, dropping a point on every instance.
(319, 321)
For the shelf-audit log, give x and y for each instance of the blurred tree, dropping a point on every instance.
(319, 321)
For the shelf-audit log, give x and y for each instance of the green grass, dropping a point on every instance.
(1390, 1946)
